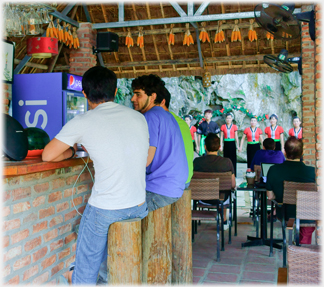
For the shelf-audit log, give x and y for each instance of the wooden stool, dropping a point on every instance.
(125, 252)
(157, 246)
(181, 239)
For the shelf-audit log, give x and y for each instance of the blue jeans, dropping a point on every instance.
(155, 201)
(91, 249)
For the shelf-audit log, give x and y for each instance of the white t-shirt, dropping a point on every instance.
(117, 140)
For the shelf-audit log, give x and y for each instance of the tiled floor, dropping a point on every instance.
(248, 265)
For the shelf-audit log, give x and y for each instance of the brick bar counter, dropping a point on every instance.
(39, 218)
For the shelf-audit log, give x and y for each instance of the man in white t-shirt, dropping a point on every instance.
(119, 151)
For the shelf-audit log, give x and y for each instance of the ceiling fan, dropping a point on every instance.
(281, 63)
(281, 22)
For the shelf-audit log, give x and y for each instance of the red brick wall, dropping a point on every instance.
(308, 92)
(6, 97)
(39, 222)
(83, 58)
(318, 95)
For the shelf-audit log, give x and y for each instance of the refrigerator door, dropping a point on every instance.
(73, 104)
(37, 101)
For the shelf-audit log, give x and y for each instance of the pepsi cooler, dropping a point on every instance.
(47, 100)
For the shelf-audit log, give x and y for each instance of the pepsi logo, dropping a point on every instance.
(71, 80)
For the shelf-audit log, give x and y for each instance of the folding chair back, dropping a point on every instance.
(290, 188)
(308, 205)
(204, 188)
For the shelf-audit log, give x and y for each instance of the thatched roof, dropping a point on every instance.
(157, 56)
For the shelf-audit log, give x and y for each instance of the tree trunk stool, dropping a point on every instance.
(125, 252)
(157, 246)
(181, 239)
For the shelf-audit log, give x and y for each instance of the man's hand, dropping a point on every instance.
(270, 195)
(56, 150)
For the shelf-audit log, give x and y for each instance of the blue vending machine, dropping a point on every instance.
(47, 100)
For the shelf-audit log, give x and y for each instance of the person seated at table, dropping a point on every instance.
(212, 162)
(290, 170)
(267, 154)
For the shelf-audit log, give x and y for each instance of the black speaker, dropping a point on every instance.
(107, 42)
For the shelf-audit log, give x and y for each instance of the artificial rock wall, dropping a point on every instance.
(260, 94)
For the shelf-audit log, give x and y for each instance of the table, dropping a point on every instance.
(263, 240)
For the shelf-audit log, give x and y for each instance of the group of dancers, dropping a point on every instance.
(229, 141)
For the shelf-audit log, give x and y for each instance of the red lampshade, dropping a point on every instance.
(42, 47)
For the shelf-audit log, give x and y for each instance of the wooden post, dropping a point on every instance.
(125, 252)
(157, 246)
(181, 239)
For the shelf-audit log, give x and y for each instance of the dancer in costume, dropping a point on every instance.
(205, 128)
(297, 130)
(275, 132)
(229, 137)
(254, 137)
(193, 131)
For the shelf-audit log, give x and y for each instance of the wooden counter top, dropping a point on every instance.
(35, 164)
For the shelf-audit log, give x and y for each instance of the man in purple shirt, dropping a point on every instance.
(267, 154)
(166, 167)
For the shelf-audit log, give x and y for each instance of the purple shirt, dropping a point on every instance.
(168, 172)
(267, 156)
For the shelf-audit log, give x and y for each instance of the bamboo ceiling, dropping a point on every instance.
(157, 56)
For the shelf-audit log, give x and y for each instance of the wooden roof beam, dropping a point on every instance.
(183, 19)
(240, 58)
(202, 8)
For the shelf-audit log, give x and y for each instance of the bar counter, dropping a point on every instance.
(42, 203)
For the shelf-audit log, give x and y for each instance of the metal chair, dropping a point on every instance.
(305, 262)
(205, 189)
(289, 197)
(225, 187)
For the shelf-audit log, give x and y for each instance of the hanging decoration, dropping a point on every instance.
(188, 38)
(76, 43)
(129, 40)
(236, 34)
(171, 36)
(206, 80)
(203, 36)
(42, 47)
(270, 36)
(140, 38)
(219, 36)
(286, 35)
(252, 33)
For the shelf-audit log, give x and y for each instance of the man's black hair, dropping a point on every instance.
(269, 144)
(99, 84)
(163, 94)
(149, 84)
(212, 142)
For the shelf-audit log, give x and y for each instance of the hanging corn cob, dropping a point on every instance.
(140, 38)
(129, 40)
(236, 34)
(252, 33)
(187, 40)
(49, 31)
(55, 31)
(59, 30)
(171, 36)
(286, 35)
(219, 36)
(76, 43)
(269, 36)
(203, 36)
(70, 37)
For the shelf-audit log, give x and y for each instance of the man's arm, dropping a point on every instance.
(151, 154)
(270, 195)
(57, 150)
(233, 181)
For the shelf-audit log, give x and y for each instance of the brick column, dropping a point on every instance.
(7, 92)
(308, 92)
(318, 95)
(82, 59)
